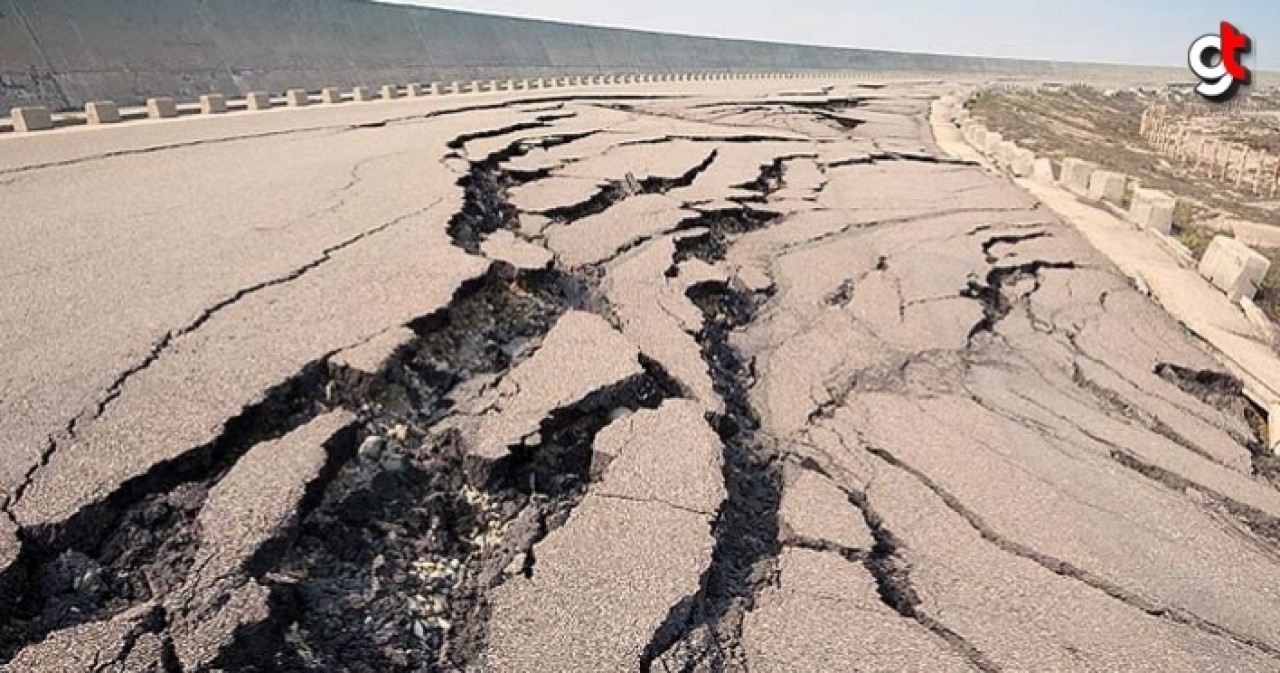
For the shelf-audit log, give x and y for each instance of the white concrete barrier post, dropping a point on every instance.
(102, 112)
(297, 98)
(362, 94)
(390, 92)
(1153, 209)
(1233, 267)
(161, 108)
(257, 100)
(1107, 186)
(31, 118)
(1023, 163)
(1075, 174)
(1005, 151)
(331, 95)
(413, 90)
(1042, 171)
(213, 104)
(1273, 428)
(992, 143)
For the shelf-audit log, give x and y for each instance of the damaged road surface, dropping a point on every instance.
(712, 379)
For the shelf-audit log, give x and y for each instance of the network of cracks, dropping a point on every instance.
(798, 289)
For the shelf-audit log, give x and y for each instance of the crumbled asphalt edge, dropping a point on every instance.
(139, 543)
(720, 225)
(1226, 393)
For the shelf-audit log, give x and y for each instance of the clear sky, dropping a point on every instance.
(1121, 31)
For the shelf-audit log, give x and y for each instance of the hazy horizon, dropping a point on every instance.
(1140, 32)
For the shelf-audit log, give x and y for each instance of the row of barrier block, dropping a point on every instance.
(1228, 264)
(33, 118)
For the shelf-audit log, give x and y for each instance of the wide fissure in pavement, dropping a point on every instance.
(705, 629)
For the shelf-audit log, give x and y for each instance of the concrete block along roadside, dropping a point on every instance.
(1153, 209)
(1233, 267)
(1023, 163)
(258, 100)
(992, 142)
(330, 95)
(213, 103)
(1075, 174)
(297, 98)
(102, 112)
(28, 119)
(1107, 186)
(161, 108)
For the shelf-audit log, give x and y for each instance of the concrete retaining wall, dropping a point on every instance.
(64, 53)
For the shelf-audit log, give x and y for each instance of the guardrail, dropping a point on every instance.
(35, 119)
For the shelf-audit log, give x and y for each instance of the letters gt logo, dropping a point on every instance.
(1215, 59)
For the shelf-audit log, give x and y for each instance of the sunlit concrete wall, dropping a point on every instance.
(62, 53)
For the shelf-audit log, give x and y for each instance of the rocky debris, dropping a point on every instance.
(360, 370)
(602, 583)
(402, 547)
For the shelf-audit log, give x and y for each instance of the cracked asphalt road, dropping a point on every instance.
(719, 378)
